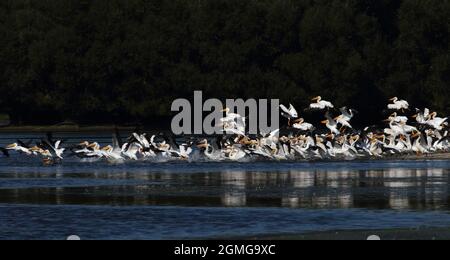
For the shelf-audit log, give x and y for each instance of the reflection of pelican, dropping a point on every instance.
(235, 194)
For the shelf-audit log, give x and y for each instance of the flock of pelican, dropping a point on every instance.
(421, 133)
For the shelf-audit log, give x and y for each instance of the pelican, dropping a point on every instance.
(234, 153)
(302, 125)
(54, 149)
(131, 151)
(422, 117)
(18, 148)
(398, 104)
(398, 119)
(343, 121)
(111, 154)
(320, 104)
(331, 124)
(347, 114)
(233, 123)
(436, 122)
(417, 145)
(212, 153)
(290, 113)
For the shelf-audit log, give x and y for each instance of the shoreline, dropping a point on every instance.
(418, 233)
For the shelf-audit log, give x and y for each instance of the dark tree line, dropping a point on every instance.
(125, 61)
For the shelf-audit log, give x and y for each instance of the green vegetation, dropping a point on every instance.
(125, 61)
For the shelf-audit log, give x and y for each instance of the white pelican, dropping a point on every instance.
(233, 123)
(183, 153)
(343, 121)
(398, 104)
(302, 125)
(235, 153)
(320, 104)
(331, 124)
(417, 145)
(131, 151)
(398, 119)
(212, 153)
(112, 154)
(56, 149)
(234, 128)
(18, 148)
(347, 114)
(422, 117)
(290, 113)
(436, 122)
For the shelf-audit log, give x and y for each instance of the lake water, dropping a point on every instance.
(142, 200)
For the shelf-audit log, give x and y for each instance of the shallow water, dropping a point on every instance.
(143, 200)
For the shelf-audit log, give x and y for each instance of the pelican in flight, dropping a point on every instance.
(233, 123)
(398, 104)
(422, 117)
(55, 149)
(345, 117)
(320, 104)
(290, 113)
(331, 124)
(300, 124)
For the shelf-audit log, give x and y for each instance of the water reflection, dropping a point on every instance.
(395, 188)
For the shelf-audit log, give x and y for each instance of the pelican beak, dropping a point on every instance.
(34, 149)
(387, 120)
(300, 120)
(414, 116)
(324, 122)
(11, 146)
(202, 145)
(315, 99)
(392, 99)
(336, 118)
(93, 145)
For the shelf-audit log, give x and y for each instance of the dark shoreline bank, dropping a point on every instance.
(419, 233)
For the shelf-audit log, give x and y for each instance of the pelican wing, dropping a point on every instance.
(285, 109)
(292, 111)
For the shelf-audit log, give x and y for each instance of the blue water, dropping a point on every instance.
(143, 200)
